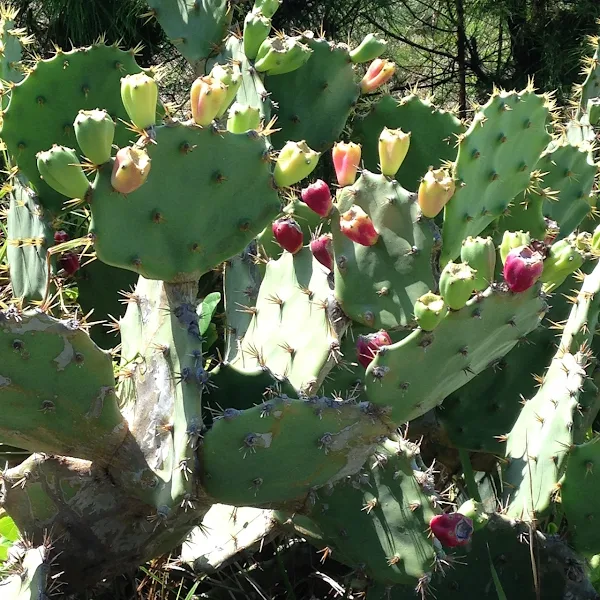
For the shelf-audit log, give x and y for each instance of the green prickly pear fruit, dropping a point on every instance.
(267, 7)
(595, 245)
(563, 259)
(295, 162)
(370, 48)
(257, 27)
(435, 190)
(379, 72)
(480, 254)
(207, 97)
(130, 169)
(511, 240)
(430, 309)
(457, 282)
(393, 147)
(243, 118)
(231, 77)
(95, 132)
(593, 110)
(474, 510)
(139, 94)
(277, 56)
(59, 167)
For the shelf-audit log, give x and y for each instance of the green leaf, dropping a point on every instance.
(206, 310)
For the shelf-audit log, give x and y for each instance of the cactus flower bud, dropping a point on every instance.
(257, 27)
(243, 118)
(480, 254)
(367, 346)
(563, 259)
(393, 147)
(295, 162)
(288, 234)
(95, 132)
(277, 56)
(59, 167)
(130, 169)
(523, 267)
(321, 247)
(207, 97)
(593, 111)
(457, 282)
(139, 94)
(513, 239)
(435, 189)
(346, 159)
(267, 7)
(317, 196)
(369, 49)
(231, 77)
(452, 529)
(379, 72)
(357, 226)
(430, 309)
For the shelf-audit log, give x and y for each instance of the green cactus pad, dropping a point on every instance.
(196, 209)
(315, 100)
(29, 237)
(378, 285)
(432, 141)
(494, 162)
(30, 581)
(378, 519)
(291, 332)
(279, 450)
(12, 40)
(196, 29)
(57, 387)
(465, 343)
(53, 94)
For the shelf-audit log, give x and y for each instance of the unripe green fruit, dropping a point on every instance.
(278, 56)
(243, 118)
(139, 94)
(59, 167)
(267, 7)
(256, 30)
(95, 132)
(474, 510)
(480, 254)
(563, 259)
(369, 49)
(429, 310)
(457, 282)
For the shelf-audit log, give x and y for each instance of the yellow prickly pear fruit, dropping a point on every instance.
(295, 162)
(139, 94)
(207, 98)
(436, 188)
(393, 147)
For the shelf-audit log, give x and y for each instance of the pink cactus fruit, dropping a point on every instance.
(288, 234)
(356, 225)
(368, 345)
(317, 196)
(452, 529)
(321, 247)
(522, 268)
(70, 263)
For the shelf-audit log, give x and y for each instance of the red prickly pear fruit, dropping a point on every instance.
(70, 263)
(523, 267)
(368, 345)
(321, 249)
(356, 225)
(452, 529)
(317, 196)
(60, 237)
(288, 234)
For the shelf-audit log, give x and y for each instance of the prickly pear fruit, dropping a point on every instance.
(593, 111)
(523, 267)
(69, 261)
(370, 48)
(480, 254)
(356, 225)
(513, 239)
(277, 56)
(130, 169)
(139, 94)
(346, 160)
(457, 283)
(435, 190)
(267, 7)
(317, 196)
(288, 234)
(60, 237)
(231, 77)
(379, 72)
(257, 27)
(452, 529)
(563, 259)
(430, 309)
(95, 131)
(207, 97)
(393, 147)
(243, 118)
(60, 169)
(322, 249)
(474, 510)
(368, 345)
(295, 162)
